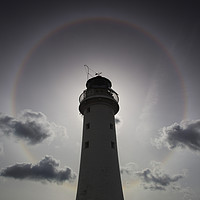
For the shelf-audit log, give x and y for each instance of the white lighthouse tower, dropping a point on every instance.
(99, 175)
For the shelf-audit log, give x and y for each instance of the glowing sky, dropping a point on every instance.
(149, 51)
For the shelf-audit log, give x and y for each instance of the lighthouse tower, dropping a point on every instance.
(99, 175)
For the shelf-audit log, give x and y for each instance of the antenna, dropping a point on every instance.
(89, 74)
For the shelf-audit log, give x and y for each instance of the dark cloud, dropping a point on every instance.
(45, 170)
(31, 126)
(183, 135)
(155, 178)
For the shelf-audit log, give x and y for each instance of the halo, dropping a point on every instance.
(97, 19)
(76, 22)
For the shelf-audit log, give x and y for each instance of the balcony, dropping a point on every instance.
(106, 93)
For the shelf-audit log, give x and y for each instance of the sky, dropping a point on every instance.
(150, 53)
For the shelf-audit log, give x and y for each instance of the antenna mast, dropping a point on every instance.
(89, 74)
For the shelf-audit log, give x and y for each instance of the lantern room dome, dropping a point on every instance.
(98, 82)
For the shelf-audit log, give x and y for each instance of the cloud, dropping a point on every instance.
(150, 101)
(1, 149)
(183, 135)
(46, 170)
(129, 168)
(153, 179)
(157, 179)
(32, 127)
(117, 120)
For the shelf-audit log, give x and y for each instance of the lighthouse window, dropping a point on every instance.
(86, 144)
(111, 126)
(112, 145)
(87, 125)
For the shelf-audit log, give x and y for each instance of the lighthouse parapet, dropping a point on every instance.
(109, 93)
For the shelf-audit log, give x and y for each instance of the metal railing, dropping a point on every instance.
(99, 92)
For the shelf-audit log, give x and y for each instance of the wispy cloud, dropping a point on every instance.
(183, 135)
(150, 102)
(129, 168)
(145, 118)
(46, 170)
(1, 149)
(32, 127)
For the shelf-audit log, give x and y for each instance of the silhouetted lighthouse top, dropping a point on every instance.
(99, 89)
(99, 174)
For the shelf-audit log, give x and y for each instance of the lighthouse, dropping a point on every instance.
(99, 174)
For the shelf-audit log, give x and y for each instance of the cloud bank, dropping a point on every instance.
(46, 170)
(32, 127)
(183, 135)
